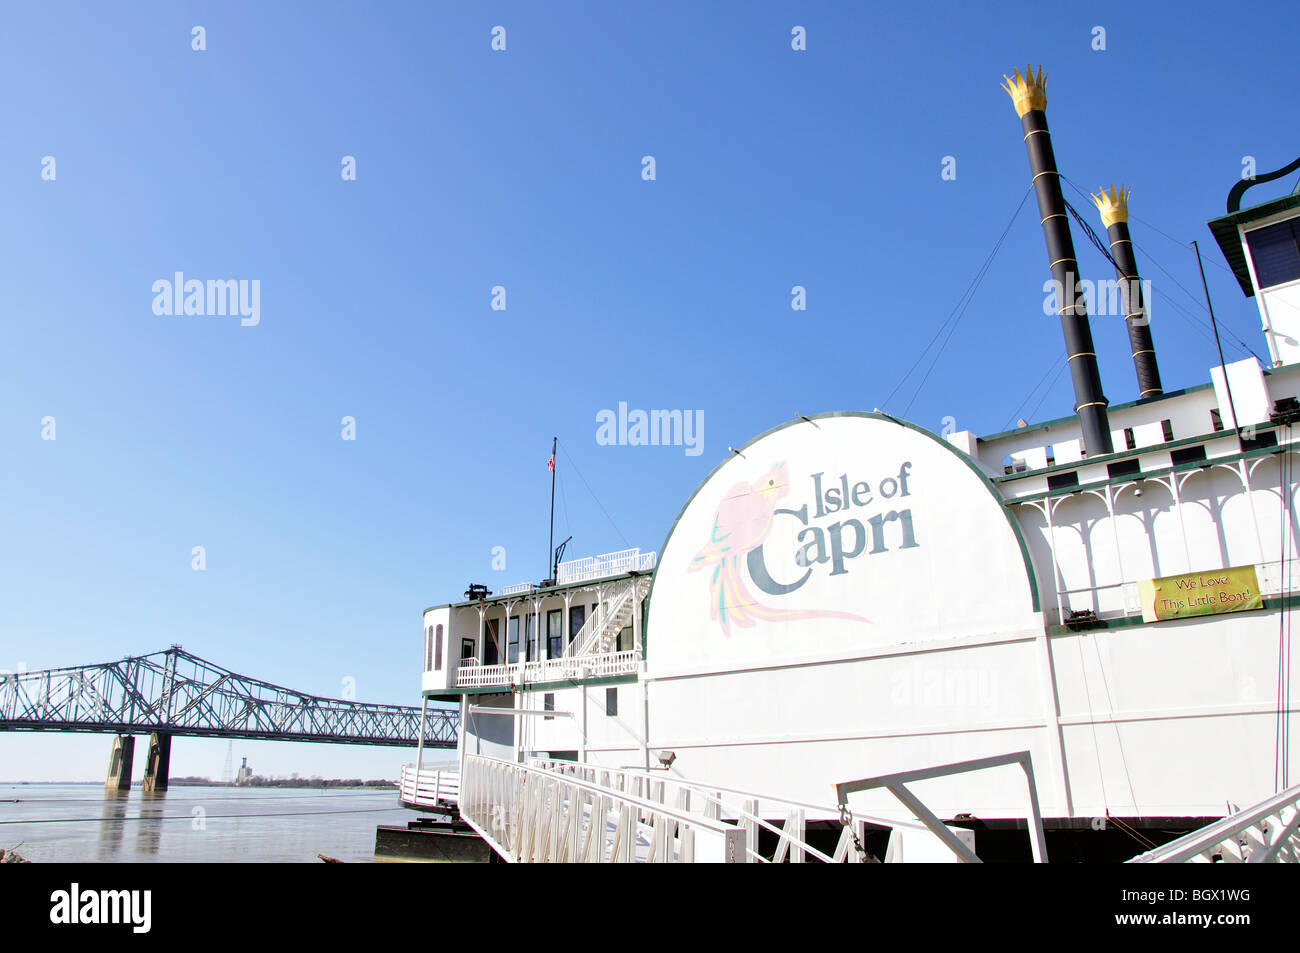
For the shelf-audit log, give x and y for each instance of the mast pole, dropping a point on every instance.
(550, 540)
(1223, 366)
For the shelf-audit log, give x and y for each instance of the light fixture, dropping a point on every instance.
(666, 758)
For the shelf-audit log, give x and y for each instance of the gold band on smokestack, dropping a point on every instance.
(1113, 207)
(1029, 93)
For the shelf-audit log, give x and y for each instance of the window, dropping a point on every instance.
(611, 701)
(428, 650)
(548, 704)
(1167, 429)
(1129, 442)
(624, 639)
(530, 638)
(491, 641)
(1187, 455)
(1215, 420)
(512, 640)
(555, 633)
(577, 616)
(1267, 438)
(466, 648)
(1060, 481)
(1275, 250)
(437, 650)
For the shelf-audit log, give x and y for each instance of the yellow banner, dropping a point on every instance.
(1200, 593)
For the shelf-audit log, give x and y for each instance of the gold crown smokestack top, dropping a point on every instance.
(1113, 207)
(1030, 97)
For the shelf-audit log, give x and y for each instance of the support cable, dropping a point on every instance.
(578, 471)
(959, 309)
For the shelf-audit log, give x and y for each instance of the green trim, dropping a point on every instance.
(1127, 454)
(532, 687)
(1129, 621)
(970, 464)
(1048, 424)
(1152, 474)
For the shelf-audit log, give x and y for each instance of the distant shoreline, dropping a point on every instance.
(380, 785)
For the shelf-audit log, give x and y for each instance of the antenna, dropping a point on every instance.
(559, 554)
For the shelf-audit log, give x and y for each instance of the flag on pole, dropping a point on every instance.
(550, 464)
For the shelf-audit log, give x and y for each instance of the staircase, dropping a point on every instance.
(599, 633)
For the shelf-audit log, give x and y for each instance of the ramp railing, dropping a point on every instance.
(785, 820)
(432, 786)
(533, 815)
(1268, 832)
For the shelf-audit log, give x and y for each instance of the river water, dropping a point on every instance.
(82, 823)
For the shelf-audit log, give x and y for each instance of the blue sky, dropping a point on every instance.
(522, 169)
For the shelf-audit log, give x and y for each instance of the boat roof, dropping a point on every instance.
(1224, 229)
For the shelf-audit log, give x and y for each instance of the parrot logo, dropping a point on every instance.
(742, 524)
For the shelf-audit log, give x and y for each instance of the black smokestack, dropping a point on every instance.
(1030, 98)
(1114, 215)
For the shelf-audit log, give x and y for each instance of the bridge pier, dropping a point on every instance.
(119, 763)
(158, 765)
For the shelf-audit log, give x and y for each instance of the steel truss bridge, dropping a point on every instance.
(176, 693)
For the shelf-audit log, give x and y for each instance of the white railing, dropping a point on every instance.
(607, 564)
(1269, 832)
(1110, 601)
(1278, 577)
(751, 812)
(483, 676)
(432, 786)
(550, 670)
(529, 814)
(593, 567)
(547, 670)
(606, 664)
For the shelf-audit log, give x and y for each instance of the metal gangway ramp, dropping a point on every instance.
(550, 811)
